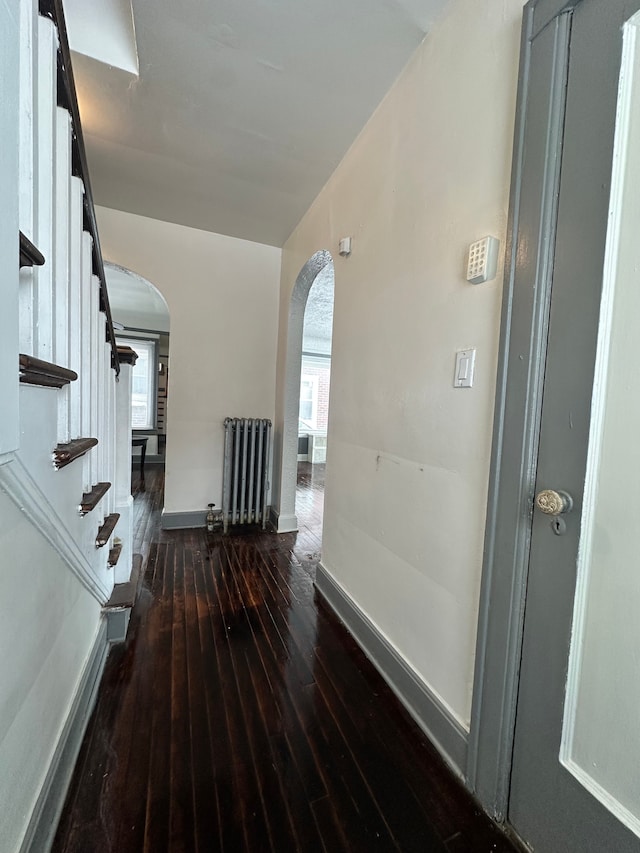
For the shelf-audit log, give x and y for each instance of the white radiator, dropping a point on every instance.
(247, 454)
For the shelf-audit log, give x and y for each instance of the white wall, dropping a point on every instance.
(408, 459)
(47, 630)
(222, 295)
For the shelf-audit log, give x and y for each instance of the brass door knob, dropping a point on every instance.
(553, 503)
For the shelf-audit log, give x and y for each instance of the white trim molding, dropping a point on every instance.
(24, 491)
(5, 458)
(283, 523)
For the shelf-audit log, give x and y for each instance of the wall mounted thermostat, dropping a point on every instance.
(465, 364)
(483, 260)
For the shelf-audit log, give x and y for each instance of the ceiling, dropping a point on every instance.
(318, 314)
(241, 109)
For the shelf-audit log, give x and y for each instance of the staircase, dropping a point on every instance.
(65, 437)
(71, 471)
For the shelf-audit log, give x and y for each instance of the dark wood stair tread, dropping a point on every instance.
(29, 255)
(104, 533)
(114, 555)
(123, 595)
(90, 500)
(127, 355)
(64, 454)
(35, 371)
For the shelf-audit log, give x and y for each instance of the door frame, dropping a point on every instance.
(519, 388)
(283, 513)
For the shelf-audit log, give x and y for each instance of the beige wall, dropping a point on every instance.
(222, 295)
(408, 458)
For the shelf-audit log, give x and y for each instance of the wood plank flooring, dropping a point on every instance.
(241, 716)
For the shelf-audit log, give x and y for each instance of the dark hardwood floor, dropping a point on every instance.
(241, 716)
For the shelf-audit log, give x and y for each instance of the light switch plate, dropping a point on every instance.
(465, 366)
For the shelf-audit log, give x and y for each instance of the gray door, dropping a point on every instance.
(575, 782)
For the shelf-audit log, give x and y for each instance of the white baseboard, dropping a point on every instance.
(434, 718)
(183, 520)
(283, 523)
(48, 808)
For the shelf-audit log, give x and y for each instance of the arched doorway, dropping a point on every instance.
(318, 268)
(141, 317)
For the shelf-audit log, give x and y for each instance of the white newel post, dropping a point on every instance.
(124, 500)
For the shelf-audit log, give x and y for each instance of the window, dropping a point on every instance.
(143, 383)
(308, 413)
